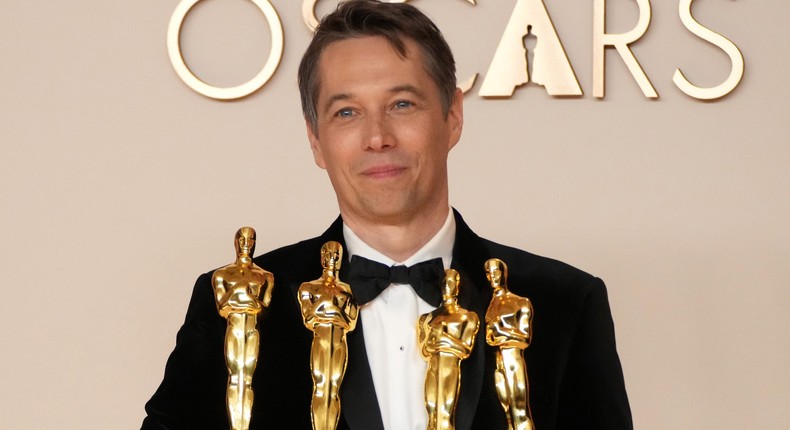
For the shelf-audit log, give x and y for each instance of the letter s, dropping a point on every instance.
(736, 73)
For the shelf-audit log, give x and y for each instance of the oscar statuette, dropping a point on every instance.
(242, 291)
(445, 337)
(329, 311)
(508, 328)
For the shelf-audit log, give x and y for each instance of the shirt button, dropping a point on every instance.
(402, 348)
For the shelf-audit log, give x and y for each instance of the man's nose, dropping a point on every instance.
(378, 133)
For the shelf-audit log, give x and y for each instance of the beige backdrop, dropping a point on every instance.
(119, 185)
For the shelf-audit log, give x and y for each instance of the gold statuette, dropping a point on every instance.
(329, 311)
(509, 327)
(242, 290)
(446, 336)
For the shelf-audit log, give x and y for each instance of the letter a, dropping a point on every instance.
(509, 66)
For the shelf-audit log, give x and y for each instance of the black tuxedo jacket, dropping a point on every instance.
(575, 377)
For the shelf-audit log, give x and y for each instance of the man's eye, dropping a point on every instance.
(344, 113)
(402, 104)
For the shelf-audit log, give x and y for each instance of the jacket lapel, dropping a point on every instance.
(469, 255)
(360, 407)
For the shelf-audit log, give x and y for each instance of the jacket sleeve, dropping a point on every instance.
(192, 393)
(592, 394)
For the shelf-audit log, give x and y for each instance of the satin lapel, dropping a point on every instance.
(469, 255)
(358, 403)
(360, 407)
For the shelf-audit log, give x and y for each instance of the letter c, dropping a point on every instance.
(311, 21)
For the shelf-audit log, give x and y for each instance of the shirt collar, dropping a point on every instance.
(440, 246)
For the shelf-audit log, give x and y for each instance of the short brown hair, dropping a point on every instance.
(393, 21)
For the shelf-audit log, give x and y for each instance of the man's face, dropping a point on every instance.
(382, 135)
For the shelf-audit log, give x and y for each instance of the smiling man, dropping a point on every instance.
(383, 137)
(383, 112)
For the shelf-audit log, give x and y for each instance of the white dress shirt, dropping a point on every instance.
(390, 322)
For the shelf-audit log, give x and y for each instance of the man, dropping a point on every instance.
(382, 111)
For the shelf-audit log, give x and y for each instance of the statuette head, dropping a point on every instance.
(331, 255)
(451, 281)
(496, 272)
(245, 242)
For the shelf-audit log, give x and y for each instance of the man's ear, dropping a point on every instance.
(455, 118)
(315, 146)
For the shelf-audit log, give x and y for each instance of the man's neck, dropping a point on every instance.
(398, 241)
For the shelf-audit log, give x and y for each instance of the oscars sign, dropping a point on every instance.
(509, 67)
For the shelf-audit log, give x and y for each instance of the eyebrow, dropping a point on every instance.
(334, 98)
(407, 89)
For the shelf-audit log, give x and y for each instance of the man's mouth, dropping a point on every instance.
(383, 172)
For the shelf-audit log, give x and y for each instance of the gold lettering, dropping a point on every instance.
(510, 66)
(620, 41)
(231, 93)
(529, 49)
(736, 73)
(467, 84)
(308, 14)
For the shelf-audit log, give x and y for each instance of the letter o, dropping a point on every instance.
(230, 93)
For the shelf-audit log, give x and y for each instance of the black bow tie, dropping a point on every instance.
(369, 278)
